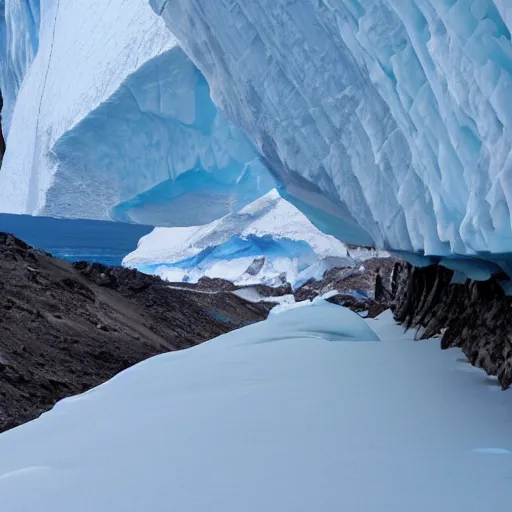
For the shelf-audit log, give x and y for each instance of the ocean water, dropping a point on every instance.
(75, 240)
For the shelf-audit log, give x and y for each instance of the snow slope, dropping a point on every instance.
(283, 415)
(385, 119)
(113, 121)
(268, 241)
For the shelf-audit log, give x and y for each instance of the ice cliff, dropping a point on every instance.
(112, 120)
(385, 119)
(267, 242)
(19, 39)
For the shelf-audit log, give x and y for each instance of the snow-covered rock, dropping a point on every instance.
(387, 120)
(267, 242)
(280, 416)
(112, 120)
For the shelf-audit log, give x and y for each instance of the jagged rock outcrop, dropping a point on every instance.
(475, 315)
(364, 287)
(67, 328)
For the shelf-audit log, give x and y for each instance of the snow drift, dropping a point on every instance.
(268, 242)
(302, 412)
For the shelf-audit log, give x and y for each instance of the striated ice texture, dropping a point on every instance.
(19, 37)
(385, 119)
(113, 121)
(267, 242)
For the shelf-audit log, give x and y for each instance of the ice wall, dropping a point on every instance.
(86, 50)
(157, 152)
(19, 38)
(112, 120)
(385, 119)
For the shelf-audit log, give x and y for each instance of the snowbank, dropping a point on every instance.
(282, 415)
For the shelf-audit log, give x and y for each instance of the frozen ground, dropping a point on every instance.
(283, 415)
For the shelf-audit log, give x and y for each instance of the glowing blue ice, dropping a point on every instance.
(112, 120)
(387, 119)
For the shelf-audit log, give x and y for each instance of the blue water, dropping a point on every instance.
(75, 240)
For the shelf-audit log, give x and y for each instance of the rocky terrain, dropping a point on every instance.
(364, 287)
(67, 328)
(474, 316)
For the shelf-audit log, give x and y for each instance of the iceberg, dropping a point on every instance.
(384, 119)
(113, 121)
(387, 123)
(268, 242)
(305, 411)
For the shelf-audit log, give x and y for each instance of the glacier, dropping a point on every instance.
(384, 119)
(113, 121)
(386, 123)
(267, 242)
(306, 411)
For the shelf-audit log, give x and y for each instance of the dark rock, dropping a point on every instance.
(215, 285)
(76, 326)
(474, 316)
(255, 267)
(352, 302)
(272, 291)
(365, 287)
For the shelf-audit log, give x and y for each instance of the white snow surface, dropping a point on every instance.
(385, 119)
(300, 412)
(112, 120)
(269, 228)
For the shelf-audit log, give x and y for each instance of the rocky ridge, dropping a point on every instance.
(67, 328)
(474, 315)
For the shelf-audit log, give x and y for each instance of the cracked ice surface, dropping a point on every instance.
(385, 119)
